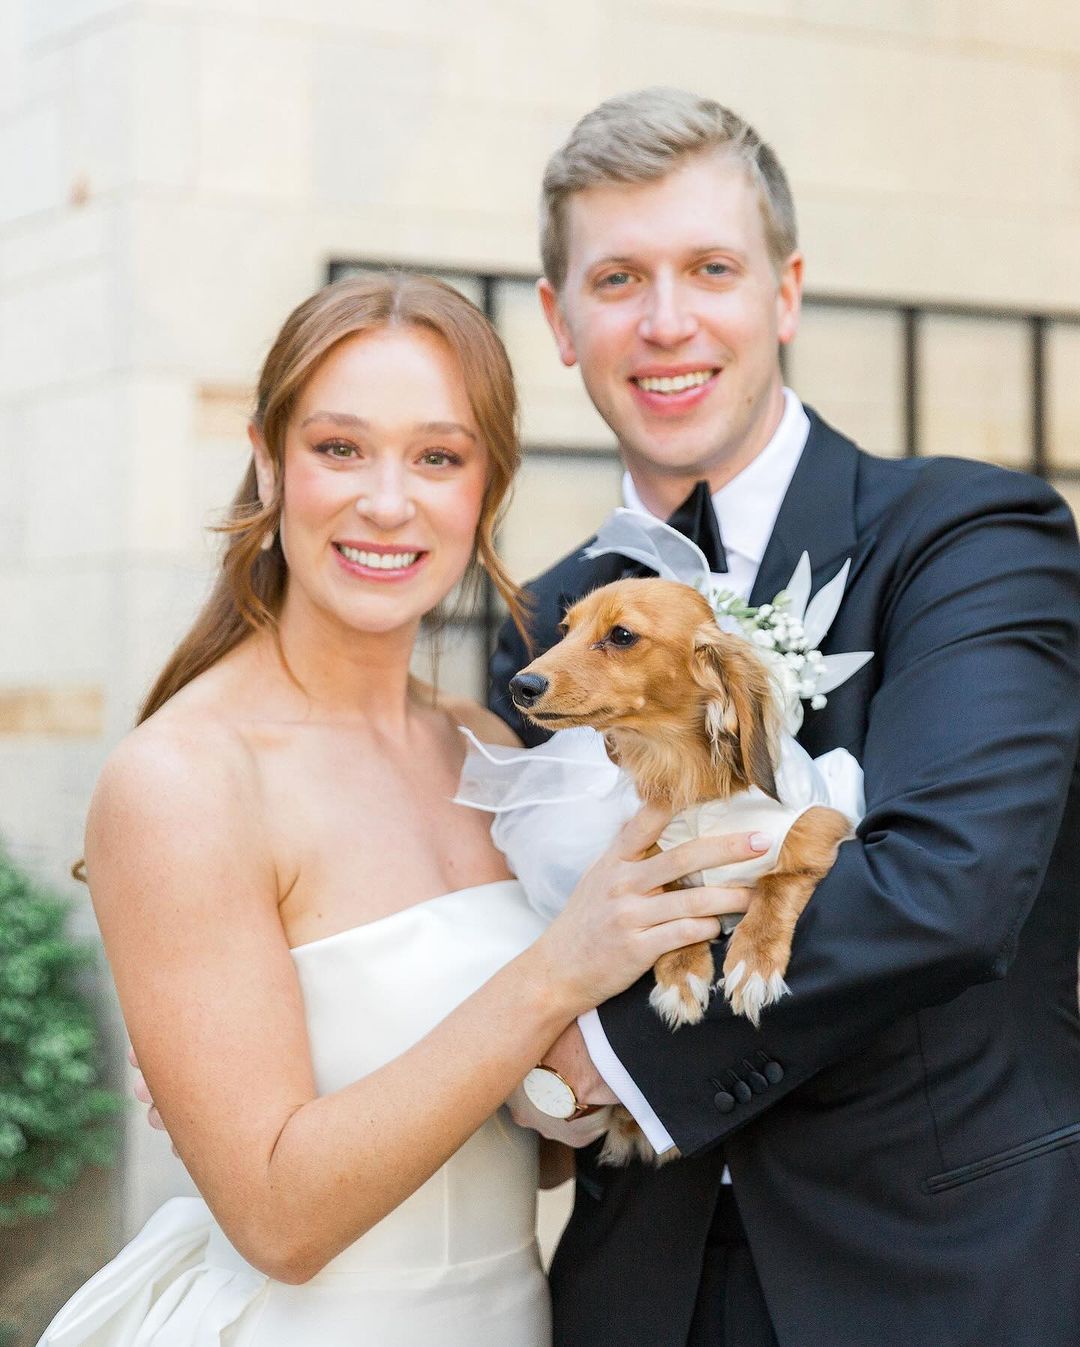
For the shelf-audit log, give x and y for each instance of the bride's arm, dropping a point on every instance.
(186, 894)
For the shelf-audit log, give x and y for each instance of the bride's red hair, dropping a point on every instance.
(250, 586)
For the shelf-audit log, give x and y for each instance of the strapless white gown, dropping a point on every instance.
(455, 1265)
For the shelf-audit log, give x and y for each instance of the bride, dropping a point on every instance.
(330, 978)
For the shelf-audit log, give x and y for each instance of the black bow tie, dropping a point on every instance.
(696, 519)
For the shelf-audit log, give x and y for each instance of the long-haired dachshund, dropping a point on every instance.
(690, 712)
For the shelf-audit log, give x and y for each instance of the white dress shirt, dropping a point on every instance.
(746, 510)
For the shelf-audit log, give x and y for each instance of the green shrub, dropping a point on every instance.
(54, 1118)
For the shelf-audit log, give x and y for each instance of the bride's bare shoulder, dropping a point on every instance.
(485, 724)
(179, 772)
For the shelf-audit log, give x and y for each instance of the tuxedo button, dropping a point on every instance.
(724, 1102)
(758, 1083)
(743, 1092)
(774, 1072)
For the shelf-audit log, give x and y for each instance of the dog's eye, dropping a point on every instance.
(621, 637)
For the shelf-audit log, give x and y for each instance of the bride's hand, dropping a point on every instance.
(619, 920)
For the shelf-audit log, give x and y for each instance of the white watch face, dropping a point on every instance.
(548, 1093)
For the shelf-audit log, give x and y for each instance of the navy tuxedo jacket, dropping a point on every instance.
(912, 1174)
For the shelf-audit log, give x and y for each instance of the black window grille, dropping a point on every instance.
(1036, 329)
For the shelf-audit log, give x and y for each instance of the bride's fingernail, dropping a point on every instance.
(760, 841)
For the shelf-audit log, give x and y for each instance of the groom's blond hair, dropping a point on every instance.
(642, 137)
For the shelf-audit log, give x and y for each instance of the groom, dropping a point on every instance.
(903, 1132)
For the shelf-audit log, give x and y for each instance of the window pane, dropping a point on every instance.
(467, 285)
(558, 503)
(1063, 394)
(975, 389)
(454, 659)
(465, 601)
(555, 409)
(847, 364)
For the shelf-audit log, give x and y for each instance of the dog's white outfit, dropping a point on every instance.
(559, 806)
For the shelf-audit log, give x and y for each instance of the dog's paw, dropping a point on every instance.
(621, 1146)
(625, 1141)
(749, 992)
(681, 1002)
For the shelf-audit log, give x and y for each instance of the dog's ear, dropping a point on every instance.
(740, 715)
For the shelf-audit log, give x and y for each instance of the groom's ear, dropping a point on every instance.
(549, 302)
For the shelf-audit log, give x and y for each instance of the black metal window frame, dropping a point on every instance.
(912, 316)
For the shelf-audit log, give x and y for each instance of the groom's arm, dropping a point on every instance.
(972, 739)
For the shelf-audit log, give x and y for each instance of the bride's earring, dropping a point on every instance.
(268, 541)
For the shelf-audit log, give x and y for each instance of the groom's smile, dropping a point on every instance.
(673, 390)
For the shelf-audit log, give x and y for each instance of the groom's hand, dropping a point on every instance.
(569, 1056)
(580, 1132)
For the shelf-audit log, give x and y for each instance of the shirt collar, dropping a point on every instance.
(747, 506)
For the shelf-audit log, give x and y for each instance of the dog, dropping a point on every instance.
(690, 712)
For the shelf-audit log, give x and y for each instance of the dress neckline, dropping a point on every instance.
(390, 916)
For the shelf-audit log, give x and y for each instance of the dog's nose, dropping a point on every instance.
(527, 688)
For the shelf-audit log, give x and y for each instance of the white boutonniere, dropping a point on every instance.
(787, 633)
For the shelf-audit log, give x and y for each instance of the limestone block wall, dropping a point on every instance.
(176, 174)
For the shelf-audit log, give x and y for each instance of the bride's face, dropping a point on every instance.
(384, 479)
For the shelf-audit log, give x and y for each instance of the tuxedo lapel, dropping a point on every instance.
(587, 575)
(817, 515)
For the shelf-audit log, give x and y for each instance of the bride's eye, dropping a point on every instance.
(339, 449)
(440, 458)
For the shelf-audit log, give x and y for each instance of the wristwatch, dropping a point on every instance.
(547, 1091)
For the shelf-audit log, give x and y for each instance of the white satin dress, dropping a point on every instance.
(455, 1265)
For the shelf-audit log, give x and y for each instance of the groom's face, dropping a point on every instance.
(674, 311)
